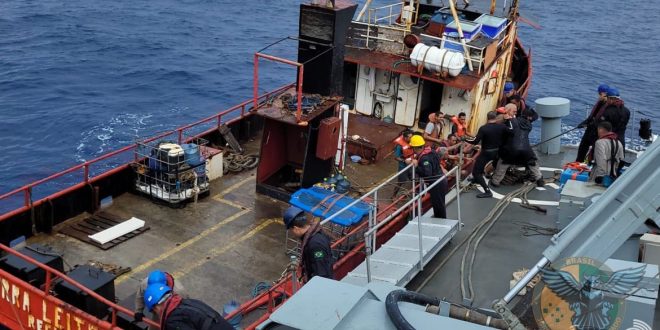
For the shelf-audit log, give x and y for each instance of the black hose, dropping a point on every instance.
(392, 306)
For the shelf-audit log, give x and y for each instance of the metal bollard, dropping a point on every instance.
(551, 110)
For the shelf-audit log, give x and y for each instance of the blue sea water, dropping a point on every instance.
(80, 78)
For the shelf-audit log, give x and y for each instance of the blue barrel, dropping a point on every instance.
(191, 153)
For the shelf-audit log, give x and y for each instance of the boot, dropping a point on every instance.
(486, 194)
(540, 182)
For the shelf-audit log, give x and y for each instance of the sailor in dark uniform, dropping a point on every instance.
(427, 166)
(316, 253)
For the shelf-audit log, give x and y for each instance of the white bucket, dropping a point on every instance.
(438, 60)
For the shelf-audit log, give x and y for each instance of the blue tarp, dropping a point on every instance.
(309, 199)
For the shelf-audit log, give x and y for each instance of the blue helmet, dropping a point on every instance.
(157, 277)
(612, 92)
(603, 88)
(291, 214)
(508, 87)
(154, 293)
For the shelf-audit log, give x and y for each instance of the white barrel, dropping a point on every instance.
(438, 60)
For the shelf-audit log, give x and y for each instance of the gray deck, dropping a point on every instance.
(504, 250)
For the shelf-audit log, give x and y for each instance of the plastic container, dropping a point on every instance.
(491, 26)
(572, 174)
(191, 153)
(438, 60)
(470, 30)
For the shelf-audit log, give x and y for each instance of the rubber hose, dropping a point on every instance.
(392, 306)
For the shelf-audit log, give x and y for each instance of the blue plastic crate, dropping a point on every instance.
(491, 26)
(572, 174)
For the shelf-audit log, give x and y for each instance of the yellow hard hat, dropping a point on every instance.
(417, 141)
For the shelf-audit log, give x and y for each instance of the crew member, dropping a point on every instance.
(427, 167)
(316, 253)
(402, 151)
(517, 150)
(433, 129)
(492, 136)
(616, 113)
(460, 125)
(607, 154)
(155, 277)
(178, 313)
(508, 91)
(590, 133)
(519, 102)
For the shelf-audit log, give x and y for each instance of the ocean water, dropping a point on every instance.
(80, 78)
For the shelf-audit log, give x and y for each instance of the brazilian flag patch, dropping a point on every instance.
(319, 254)
(426, 162)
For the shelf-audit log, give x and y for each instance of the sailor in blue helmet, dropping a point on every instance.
(178, 313)
(155, 277)
(589, 124)
(615, 112)
(509, 90)
(316, 256)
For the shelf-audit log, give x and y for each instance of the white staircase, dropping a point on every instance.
(397, 261)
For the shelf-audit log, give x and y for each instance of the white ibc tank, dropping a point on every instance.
(438, 60)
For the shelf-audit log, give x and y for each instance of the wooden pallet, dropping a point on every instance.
(97, 223)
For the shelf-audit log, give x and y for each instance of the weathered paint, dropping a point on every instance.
(23, 306)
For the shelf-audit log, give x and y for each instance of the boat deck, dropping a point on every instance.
(507, 248)
(218, 249)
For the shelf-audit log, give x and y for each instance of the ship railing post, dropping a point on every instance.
(180, 138)
(219, 120)
(458, 187)
(255, 83)
(300, 91)
(419, 229)
(367, 247)
(375, 219)
(47, 285)
(294, 275)
(86, 172)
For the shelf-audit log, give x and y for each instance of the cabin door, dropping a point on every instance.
(407, 101)
(366, 84)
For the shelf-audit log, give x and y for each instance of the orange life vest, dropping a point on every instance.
(460, 129)
(407, 149)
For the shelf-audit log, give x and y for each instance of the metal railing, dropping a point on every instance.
(51, 275)
(227, 116)
(416, 203)
(370, 235)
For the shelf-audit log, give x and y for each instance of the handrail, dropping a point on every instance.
(27, 189)
(370, 237)
(49, 278)
(407, 204)
(299, 82)
(372, 191)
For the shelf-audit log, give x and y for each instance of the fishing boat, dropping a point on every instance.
(204, 201)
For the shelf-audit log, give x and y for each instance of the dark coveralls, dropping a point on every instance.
(618, 115)
(590, 133)
(492, 136)
(428, 168)
(317, 256)
(192, 314)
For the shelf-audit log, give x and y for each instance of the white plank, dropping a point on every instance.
(117, 230)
